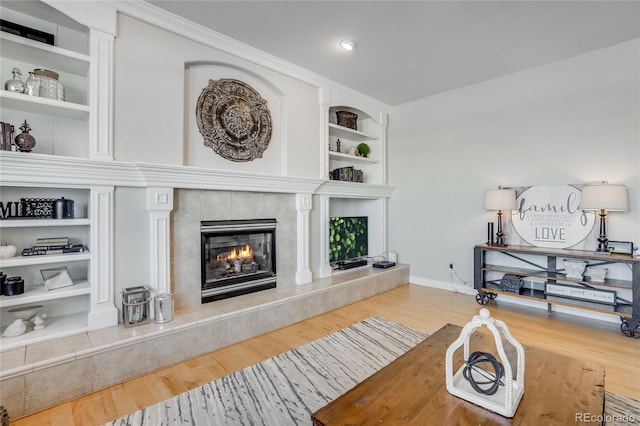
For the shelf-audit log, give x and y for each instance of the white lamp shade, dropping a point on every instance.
(604, 197)
(500, 199)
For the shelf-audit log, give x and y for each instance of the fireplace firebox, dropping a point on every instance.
(238, 257)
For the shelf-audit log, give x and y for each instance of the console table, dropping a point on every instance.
(544, 270)
(412, 391)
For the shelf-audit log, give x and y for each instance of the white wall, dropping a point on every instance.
(573, 121)
(156, 89)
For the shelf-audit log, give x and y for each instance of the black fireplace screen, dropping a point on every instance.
(238, 257)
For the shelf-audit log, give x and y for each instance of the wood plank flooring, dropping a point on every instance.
(420, 307)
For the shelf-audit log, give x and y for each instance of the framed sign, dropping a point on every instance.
(582, 293)
(548, 216)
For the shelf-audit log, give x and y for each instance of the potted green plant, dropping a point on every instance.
(363, 149)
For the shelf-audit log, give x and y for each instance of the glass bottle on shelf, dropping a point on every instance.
(15, 84)
(33, 85)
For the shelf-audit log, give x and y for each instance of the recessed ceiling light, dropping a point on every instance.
(348, 45)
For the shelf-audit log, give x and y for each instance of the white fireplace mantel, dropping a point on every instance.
(49, 171)
(30, 169)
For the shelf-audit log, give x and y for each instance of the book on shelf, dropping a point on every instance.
(52, 246)
(52, 241)
(35, 251)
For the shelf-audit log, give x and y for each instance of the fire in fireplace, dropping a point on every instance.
(238, 257)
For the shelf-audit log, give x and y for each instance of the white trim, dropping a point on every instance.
(21, 169)
(303, 207)
(101, 95)
(201, 178)
(354, 190)
(159, 206)
(103, 312)
(325, 266)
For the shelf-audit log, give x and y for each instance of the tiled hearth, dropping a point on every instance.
(37, 376)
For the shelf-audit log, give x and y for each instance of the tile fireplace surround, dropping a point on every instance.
(40, 375)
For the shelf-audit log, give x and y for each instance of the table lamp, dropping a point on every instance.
(500, 199)
(604, 198)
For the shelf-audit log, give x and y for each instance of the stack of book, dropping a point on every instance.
(349, 174)
(49, 246)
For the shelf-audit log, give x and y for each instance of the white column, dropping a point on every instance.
(102, 312)
(303, 207)
(159, 206)
(101, 95)
(325, 267)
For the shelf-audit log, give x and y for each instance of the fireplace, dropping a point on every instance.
(238, 257)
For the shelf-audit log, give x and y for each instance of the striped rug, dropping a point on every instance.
(286, 389)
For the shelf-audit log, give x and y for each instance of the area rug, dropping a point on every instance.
(286, 389)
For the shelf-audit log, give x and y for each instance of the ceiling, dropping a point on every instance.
(407, 50)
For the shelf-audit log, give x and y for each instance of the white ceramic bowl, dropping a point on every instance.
(25, 312)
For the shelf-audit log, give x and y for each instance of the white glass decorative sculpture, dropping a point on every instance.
(506, 398)
(574, 268)
(596, 274)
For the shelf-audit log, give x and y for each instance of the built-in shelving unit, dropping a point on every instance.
(349, 140)
(338, 197)
(66, 132)
(73, 301)
(60, 126)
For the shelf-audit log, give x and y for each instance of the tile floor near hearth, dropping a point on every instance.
(40, 375)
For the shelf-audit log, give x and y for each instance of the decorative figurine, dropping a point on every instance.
(15, 84)
(338, 145)
(24, 141)
(38, 321)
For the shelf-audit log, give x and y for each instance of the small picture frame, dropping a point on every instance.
(56, 278)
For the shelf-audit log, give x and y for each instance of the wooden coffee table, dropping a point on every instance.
(411, 390)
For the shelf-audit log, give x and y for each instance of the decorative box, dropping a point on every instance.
(511, 283)
(41, 208)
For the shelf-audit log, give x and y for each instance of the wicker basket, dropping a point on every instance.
(347, 119)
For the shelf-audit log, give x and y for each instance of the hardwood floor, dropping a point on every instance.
(420, 307)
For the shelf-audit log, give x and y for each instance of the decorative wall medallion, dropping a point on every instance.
(234, 120)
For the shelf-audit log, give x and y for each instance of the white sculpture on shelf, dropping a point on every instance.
(16, 328)
(508, 392)
(38, 321)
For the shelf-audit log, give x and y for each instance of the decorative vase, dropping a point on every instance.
(24, 141)
(33, 85)
(15, 84)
